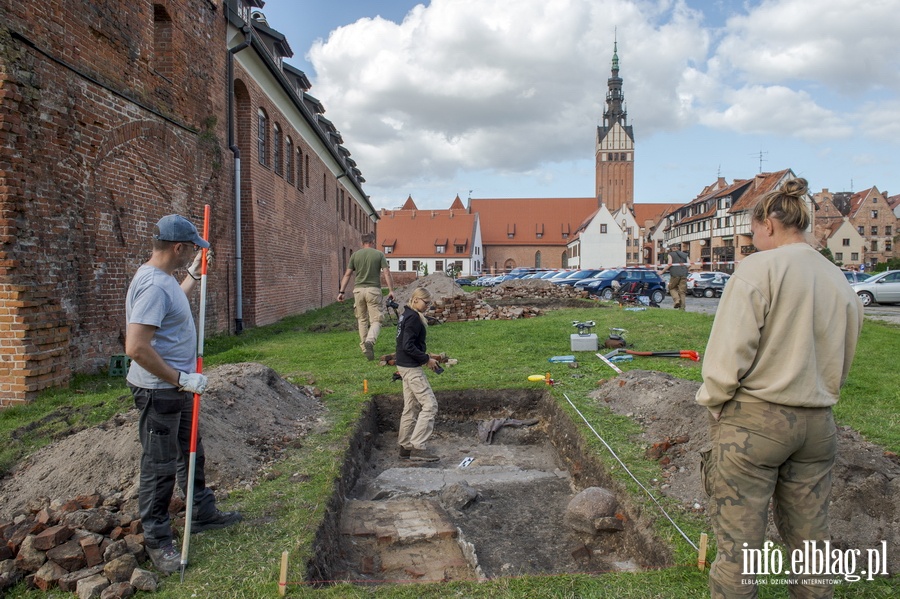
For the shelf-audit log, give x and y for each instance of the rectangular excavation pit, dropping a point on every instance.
(393, 520)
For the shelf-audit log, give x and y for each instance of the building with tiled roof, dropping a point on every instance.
(416, 240)
(614, 152)
(714, 228)
(651, 221)
(528, 231)
(598, 242)
(846, 245)
(874, 219)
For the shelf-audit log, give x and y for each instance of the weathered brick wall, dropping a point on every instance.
(496, 256)
(95, 145)
(297, 238)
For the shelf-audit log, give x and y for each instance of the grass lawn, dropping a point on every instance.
(281, 515)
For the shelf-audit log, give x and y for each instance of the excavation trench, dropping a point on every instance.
(393, 520)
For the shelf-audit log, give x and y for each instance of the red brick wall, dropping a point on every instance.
(95, 146)
(113, 114)
(496, 257)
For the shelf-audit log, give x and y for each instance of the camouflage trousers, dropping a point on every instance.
(763, 451)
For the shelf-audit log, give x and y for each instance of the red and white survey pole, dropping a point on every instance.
(195, 418)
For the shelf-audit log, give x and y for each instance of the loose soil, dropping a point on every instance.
(864, 508)
(248, 415)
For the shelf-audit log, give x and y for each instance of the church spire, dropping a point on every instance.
(615, 99)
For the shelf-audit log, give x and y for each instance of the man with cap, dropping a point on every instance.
(161, 341)
(678, 271)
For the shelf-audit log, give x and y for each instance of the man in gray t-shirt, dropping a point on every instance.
(161, 341)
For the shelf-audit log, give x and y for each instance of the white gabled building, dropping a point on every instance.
(599, 242)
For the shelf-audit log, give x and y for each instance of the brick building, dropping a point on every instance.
(113, 114)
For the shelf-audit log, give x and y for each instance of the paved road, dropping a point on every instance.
(708, 306)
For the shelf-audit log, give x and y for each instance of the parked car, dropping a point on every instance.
(462, 282)
(693, 277)
(883, 288)
(856, 277)
(549, 274)
(710, 286)
(602, 284)
(575, 276)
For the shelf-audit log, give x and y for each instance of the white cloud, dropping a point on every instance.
(512, 87)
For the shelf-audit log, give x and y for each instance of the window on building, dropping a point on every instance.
(459, 249)
(299, 169)
(438, 266)
(440, 249)
(874, 214)
(874, 229)
(839, 256)
(861, 230)
(602, 228)
(401, 265)
(416, 264)
(539, 235)
(262, 127)
(458, 266)
(277, 149)
(307, 168)
(874, 247)
(888, 246)
(845, 242)
(163, 53)
(537, 259)
(388, 249)
(289, 154)
(854, 257)
(888, 230)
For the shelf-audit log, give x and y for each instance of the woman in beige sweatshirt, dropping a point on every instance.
(779, 351)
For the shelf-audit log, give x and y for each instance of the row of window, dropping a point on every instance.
(286, 162)
(438, 265)
(888, 230)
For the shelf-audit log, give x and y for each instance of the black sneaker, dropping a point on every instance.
(404, 453)
(218, 520)
(166, 558)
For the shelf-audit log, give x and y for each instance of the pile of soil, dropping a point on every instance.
(439, 284)
(864, 509)
(248, 415)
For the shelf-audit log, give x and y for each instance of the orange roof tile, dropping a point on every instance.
(762, 184)
(417, 232)
(409, 204)
(521, 217)
(652, 213)
(457, 204)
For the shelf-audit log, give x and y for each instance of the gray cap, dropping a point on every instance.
(174, 227)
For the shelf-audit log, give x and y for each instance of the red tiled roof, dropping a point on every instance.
(418, 232)
(457, 204)
(409, 204)
(761, 184)
(522, 216)
(652, 213)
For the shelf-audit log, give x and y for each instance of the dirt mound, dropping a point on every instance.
(864, 509)
(248, 414)
(439, 284)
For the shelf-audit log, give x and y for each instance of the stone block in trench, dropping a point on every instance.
(592, 511)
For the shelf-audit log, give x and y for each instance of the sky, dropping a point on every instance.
(502, 98)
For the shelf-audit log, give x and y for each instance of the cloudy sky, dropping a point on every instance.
(501, 98)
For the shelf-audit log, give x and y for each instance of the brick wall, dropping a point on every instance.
(497, 256)
(96, 146)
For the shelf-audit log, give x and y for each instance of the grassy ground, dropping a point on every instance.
(282, 514)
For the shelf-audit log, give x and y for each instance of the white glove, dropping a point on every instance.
(196, 267)
(192, 383)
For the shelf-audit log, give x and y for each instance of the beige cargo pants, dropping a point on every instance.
(419, 409)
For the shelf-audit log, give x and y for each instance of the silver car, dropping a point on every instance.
(883, 288)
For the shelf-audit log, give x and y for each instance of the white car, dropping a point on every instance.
(883, 288)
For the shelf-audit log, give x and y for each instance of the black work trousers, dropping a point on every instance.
(165, 433)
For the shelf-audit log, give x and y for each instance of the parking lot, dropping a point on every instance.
(886, 313)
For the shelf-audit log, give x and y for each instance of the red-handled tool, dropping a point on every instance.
(682, 353)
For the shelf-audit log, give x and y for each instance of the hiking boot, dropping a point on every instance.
(369, 350)
(166, 558)
(422, 455)
(404, 453)
(218, 520)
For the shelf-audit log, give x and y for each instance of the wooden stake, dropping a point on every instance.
(365, 385)
(282, 579)
(701, 558)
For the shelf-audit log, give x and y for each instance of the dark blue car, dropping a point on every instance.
(602, 284)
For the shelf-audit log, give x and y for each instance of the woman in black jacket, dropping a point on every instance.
(419, 404)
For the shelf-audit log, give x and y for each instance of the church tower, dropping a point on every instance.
(615, 147)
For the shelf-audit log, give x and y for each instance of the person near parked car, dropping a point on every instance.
(678, 271)
(161, 340)
(368, 264)
(419, 403)
(780, 349)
